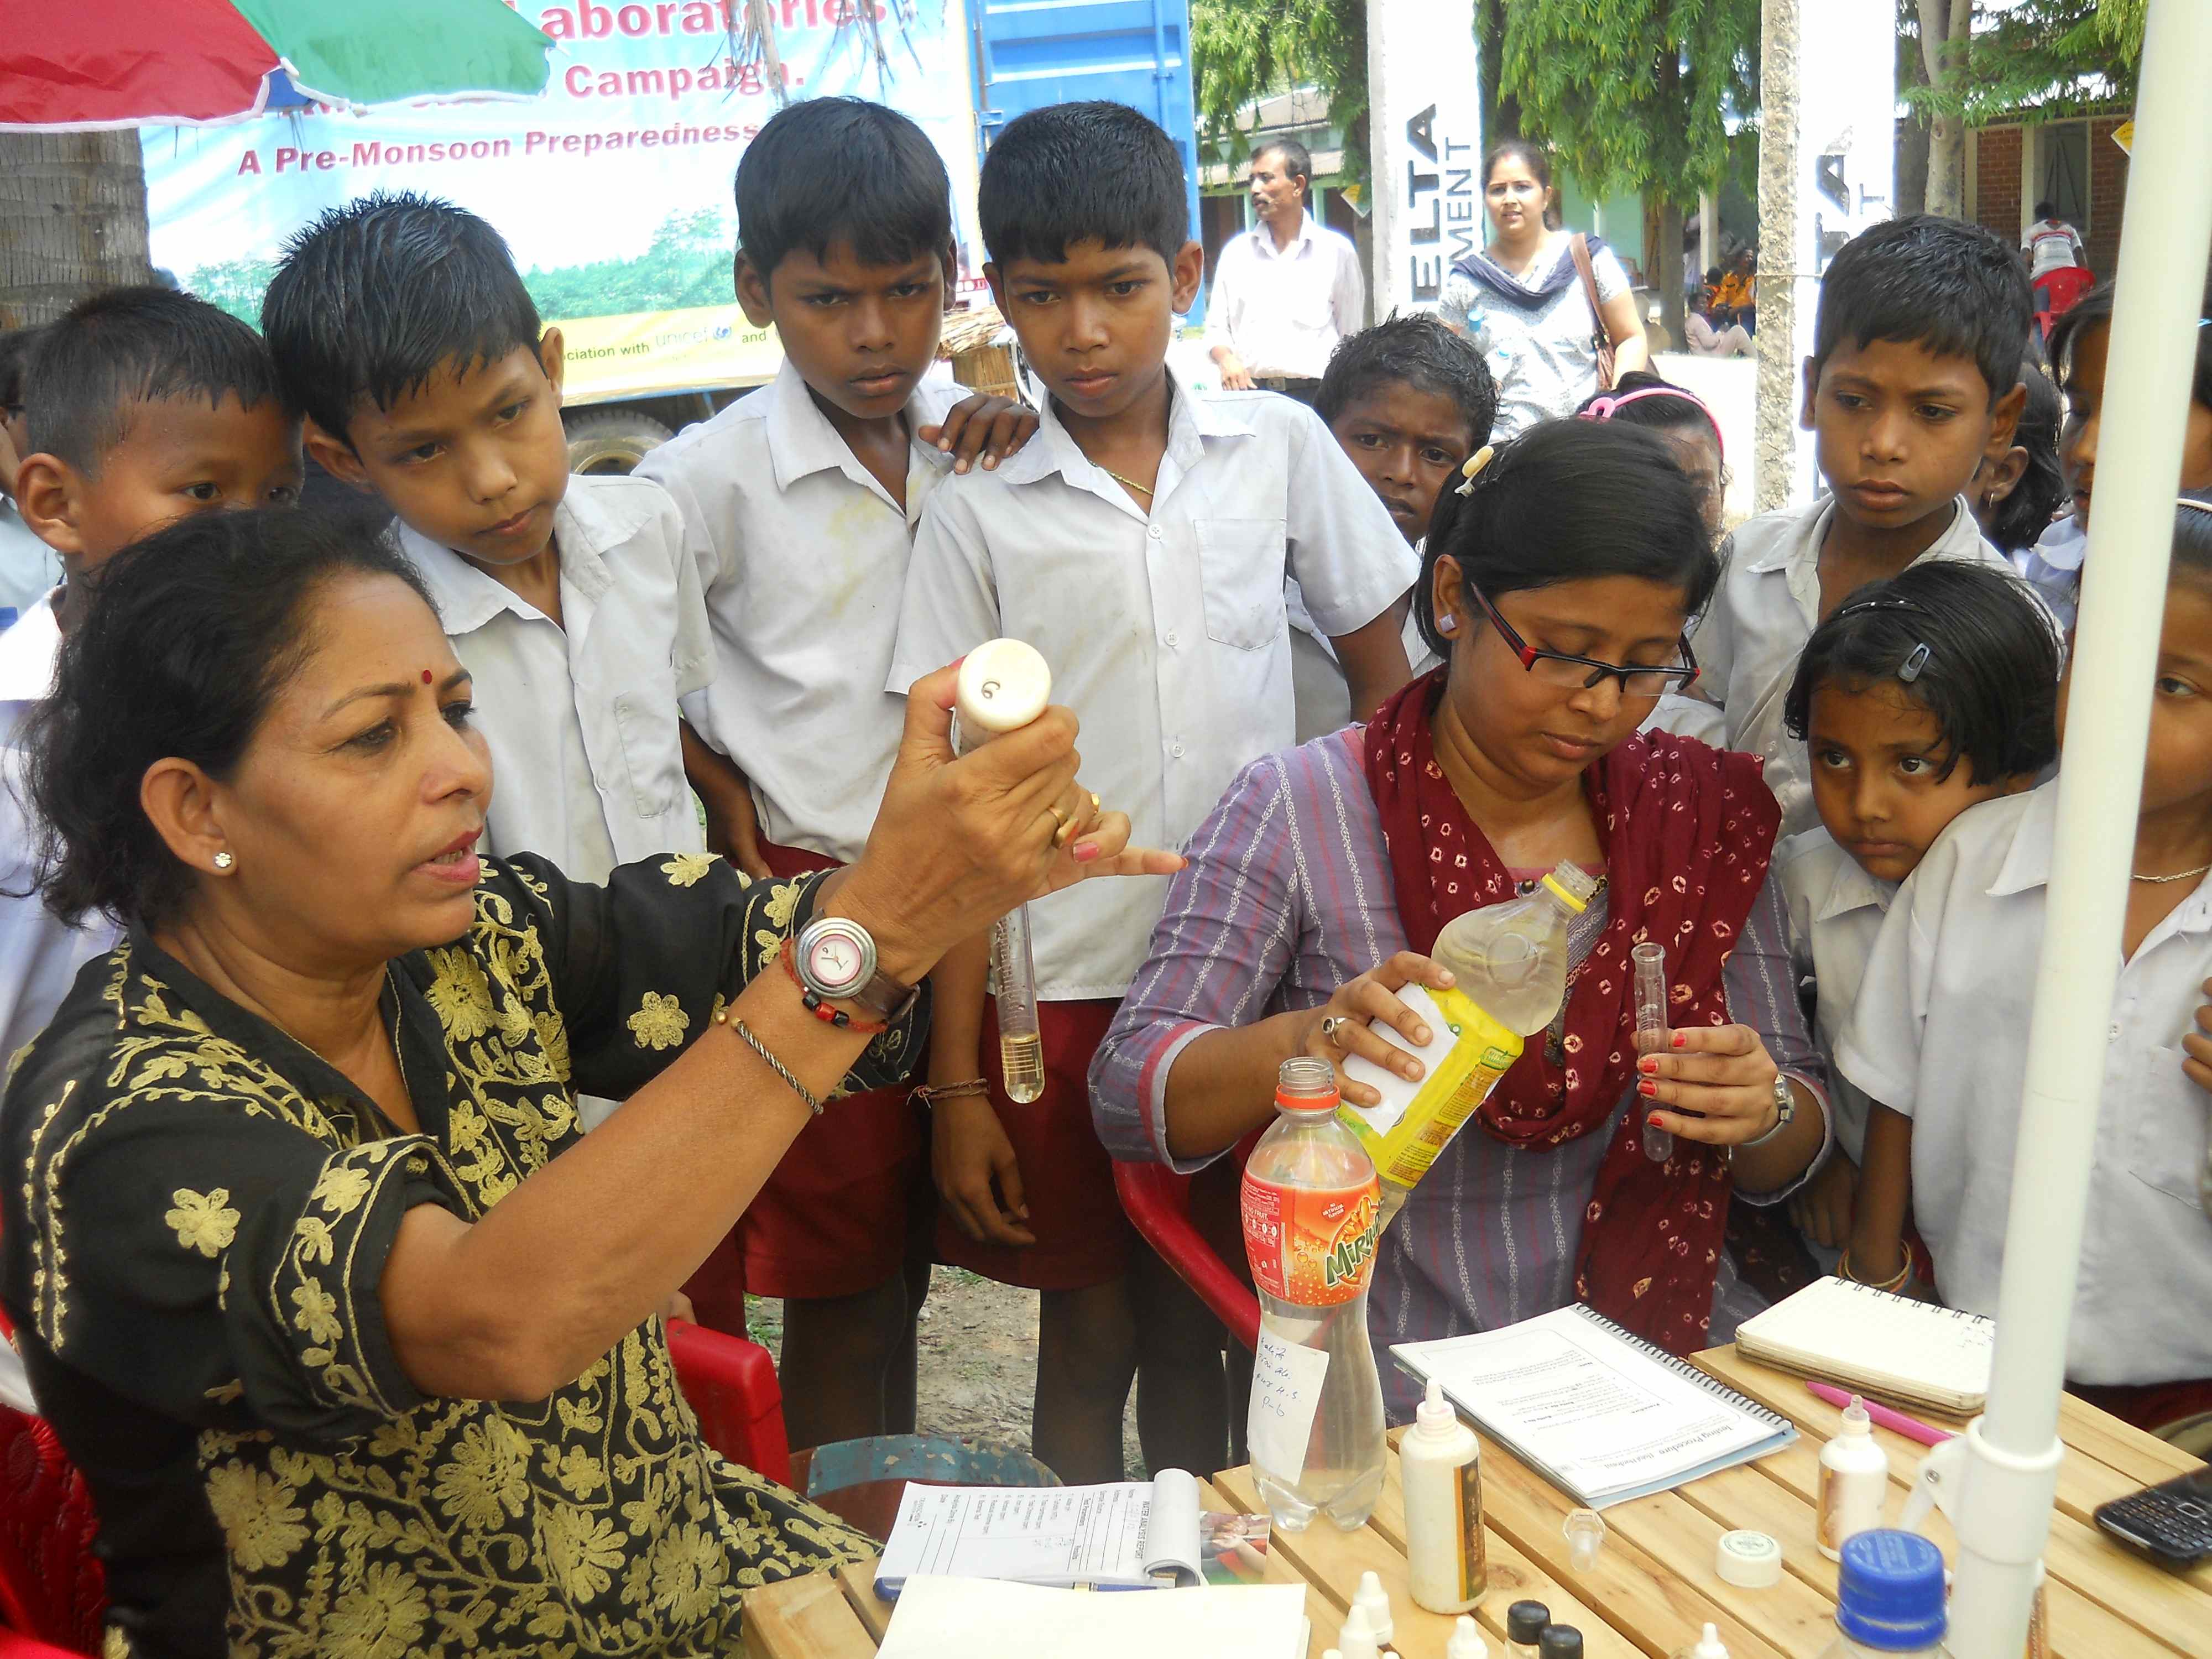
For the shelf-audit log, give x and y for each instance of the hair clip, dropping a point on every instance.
(1605, 408)
(2201, 505)
(1475, 463)
(1910, 670)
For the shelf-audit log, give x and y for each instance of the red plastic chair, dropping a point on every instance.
(53, 1591)
(2056, 293)
(1158, 1202)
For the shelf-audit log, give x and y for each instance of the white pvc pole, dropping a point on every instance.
(2014, 1452)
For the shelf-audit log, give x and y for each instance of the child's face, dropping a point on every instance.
(1095, 324)
(177, 457)
(1407, 443)
(475, 461)
(1877, 760)
(1901, 429)
(2178, 766)
(2077, 438)
(861, 336)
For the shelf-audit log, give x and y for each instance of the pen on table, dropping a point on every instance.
(1911, 1427)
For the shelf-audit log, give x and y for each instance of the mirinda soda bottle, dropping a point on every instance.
(1311, 1211)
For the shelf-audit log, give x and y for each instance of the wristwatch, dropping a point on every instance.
(837, 960)
(1785, 1106)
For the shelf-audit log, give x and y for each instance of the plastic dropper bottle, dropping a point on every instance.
(1466, 1641)
(1853, 1482)
(1707, 1646)
(1004, 684)
(1651, 1028)
(1525, 1622)
(1447, 1556)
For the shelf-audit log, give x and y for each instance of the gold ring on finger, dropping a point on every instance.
(1063, 826)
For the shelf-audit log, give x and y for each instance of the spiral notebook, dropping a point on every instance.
(1600, 1412)
(1916, 1353)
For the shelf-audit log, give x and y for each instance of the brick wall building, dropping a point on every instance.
(2072, 162)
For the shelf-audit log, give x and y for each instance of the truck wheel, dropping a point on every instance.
(611, 441)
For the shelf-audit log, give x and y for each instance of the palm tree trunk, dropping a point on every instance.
(72, 219)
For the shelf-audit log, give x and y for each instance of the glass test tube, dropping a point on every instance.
(1004, 685)
(1650, 960)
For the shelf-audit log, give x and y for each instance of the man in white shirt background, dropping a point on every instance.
(2050, 244)
(1285, 291)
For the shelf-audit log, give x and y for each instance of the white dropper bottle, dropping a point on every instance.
(1707, 1646)
(1466, 1641)
(1853, 1482)
(1004, 685)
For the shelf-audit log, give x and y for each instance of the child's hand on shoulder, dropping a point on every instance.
(1822, 1207)
(734, 831)
(991, 427)
(2197, 1047)
(969, 1153)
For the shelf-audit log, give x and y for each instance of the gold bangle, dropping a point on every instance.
(1904, 1275)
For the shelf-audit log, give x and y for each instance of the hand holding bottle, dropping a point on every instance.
(1337, 1029)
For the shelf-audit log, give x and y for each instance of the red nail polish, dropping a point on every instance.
(1086, 852)
(1647, 1087)
(1649, 1064)
(1653, 1121)
(1680, 1040)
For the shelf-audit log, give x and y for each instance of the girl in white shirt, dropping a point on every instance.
(1939, 1039)
(1918, 697)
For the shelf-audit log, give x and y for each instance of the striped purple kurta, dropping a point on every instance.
(1288, 894)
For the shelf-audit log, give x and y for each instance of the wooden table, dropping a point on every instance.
(1654, 1588)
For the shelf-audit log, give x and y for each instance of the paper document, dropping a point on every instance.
(963, 1617)
(1126, 1533)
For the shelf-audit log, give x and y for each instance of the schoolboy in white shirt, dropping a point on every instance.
(148, 406)
(1917, 698)
(1139, 542)
(1912, 386)
(1939, 1041)
(568, 599)
(798, 503)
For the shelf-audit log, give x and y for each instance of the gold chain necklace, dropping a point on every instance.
(1126, 484)
(2178, 875)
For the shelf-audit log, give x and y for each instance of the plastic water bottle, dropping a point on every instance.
(1890, 1599)
(1311, 1212)
(1004, 685)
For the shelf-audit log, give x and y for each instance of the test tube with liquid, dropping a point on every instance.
(1650, 960)
(1004, 685)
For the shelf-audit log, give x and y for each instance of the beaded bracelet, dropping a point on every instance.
(821, 1010)
(929, 1096)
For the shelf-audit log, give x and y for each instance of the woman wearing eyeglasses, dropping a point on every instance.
(1557, 586)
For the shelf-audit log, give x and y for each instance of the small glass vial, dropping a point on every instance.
(1651, 1030)
(1525, 1622)
(1560, 1642)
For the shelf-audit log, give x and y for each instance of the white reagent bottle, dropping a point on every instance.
(1466, 1641)
(1853, 1482)
(1441, 1464)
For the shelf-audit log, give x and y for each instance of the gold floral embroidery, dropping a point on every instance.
(582, 1551)
(340, 1187)
(459, 995)
(260, 1519)
(659, 1022)
(315, 1312)
(204, 1221)
(483, 1478)
(686, 869)
(383, 1617)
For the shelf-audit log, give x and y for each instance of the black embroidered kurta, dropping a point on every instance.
(197, 1216)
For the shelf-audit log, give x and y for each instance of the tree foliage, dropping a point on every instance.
(2046, 59)
(1630, 94)
(1241, 50)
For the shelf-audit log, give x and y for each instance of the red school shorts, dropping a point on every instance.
(1083, 1238)
(834, 1217)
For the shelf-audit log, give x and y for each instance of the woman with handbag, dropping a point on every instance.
(1552, 310)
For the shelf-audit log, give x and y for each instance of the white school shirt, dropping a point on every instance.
(2052, 245)
(28, 566)
(1836, 911)
(1283, 310)
(2052, 567)
(1940, 1034)
(1748, 641)
(802, 556)
(39, 953)
(581, 715)
(1166, 634)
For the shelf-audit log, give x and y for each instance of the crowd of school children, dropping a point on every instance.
(712, 655)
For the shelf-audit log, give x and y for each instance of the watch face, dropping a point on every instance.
(832, 959)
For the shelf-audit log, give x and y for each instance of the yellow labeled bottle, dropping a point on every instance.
(1509, 965)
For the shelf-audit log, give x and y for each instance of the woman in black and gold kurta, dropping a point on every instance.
(355, 1336)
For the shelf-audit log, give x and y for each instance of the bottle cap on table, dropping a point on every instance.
(1560, 1642)
(1376, 1601)
(1466, 1641)
(1751, 1560)
(1004, 685)
(1585, 1531)
(1357, 1639)
(1707, 1646)
(1525, 1621)
(1889, 1592)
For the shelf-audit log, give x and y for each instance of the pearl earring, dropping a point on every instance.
(224, 861)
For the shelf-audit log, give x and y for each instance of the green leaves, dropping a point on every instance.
(1241, 50)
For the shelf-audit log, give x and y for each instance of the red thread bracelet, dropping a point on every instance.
(815, 1006)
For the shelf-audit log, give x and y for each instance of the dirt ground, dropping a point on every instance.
(978, 1361)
